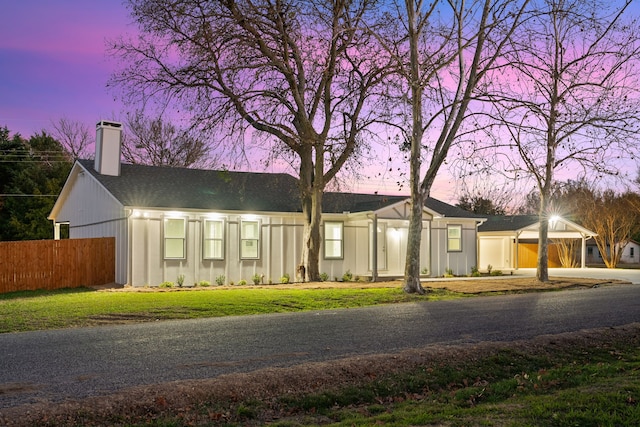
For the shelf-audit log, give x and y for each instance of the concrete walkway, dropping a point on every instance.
(628, 274)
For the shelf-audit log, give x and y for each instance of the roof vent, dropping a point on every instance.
(108, 148)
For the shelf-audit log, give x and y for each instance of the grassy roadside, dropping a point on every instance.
(589, 378)
(38, 310)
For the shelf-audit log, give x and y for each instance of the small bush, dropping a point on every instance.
(242, 282)
(285, 278)
(166, 285)
(424, 271)
(220, 280)
(475, 272)
(496, 273)
(257, 279)
(347, 276)
(489, 268)
(180, 280)
(204, 283)
(324, 277)
(448, 272)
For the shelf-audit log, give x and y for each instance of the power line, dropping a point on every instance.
(28, 195)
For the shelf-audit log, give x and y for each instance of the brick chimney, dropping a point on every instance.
(108, 148)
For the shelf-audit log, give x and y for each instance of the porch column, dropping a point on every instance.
(517, 253)
(583, 255)
(56, 231)
(374, 249)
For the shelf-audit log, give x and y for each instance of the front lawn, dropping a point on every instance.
(36, 310)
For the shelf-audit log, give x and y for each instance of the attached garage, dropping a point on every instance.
(511, 242)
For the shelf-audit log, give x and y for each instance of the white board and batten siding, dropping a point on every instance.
(91, 211)
(281, 239)
(442, 258)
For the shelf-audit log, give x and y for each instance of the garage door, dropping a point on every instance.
(528, 255)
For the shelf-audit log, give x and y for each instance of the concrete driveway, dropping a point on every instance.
(628, 274)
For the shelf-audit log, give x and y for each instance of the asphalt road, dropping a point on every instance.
(75, 363)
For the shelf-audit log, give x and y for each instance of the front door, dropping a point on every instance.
(381, 244)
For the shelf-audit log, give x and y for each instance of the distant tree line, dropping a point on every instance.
(32, 173)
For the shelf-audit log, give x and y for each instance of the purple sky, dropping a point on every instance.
(53, 62)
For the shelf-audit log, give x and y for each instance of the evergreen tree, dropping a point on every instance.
(32, 173)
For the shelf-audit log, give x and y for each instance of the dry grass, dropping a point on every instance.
(463, 285)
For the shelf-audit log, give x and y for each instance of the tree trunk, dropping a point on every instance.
(312, 239)
(412, 262)
(311, 199)
(542, 272)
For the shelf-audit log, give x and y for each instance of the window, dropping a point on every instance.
(631, 252)
(249, 239)
(175, 236)
(333, 240)
(213, 239)
(590, 251)
(454, 238)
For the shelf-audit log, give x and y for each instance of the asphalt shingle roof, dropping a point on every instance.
(181, 188)
(508, 222)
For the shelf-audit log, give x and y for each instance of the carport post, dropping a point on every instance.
(517, 250)
(583, 258)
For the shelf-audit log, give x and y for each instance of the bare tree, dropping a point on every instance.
(75, 137)
(443, 51)
(299, 72)
(613, 217)
(486, 196)
(568, 99)
(567, 251)
(154, 141)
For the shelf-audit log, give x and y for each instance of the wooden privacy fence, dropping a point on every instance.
(55, 264)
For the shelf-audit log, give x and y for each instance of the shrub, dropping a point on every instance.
(166, 285)
(204, 283)
(242, 282)
(347, 276)
(257, 279)
(285, 278)
(489, 268)
(475, 272)
(448, 272)
(324, 277)
(425, 271)
(180, 280)
(220, 280)
(496, 273)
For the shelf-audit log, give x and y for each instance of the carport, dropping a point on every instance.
(503, 240)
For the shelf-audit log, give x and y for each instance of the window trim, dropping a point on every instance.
(459, 238)
(257, 240)
(165, 221)
(326, 239)
(206, 239)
